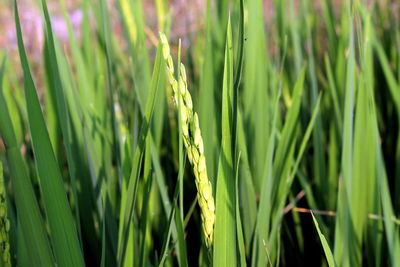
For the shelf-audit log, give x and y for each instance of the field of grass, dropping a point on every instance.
(267, 136)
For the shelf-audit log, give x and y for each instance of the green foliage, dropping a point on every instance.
(295, 112)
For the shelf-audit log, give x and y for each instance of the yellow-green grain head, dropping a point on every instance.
(193, 141)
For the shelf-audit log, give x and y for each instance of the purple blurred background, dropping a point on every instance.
(188, 11)
(188, 16)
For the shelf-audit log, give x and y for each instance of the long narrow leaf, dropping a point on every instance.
(62, 226)
(225, 224)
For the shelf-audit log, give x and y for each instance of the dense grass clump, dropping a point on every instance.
(277, 144)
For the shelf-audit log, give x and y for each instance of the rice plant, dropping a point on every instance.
(267, 134)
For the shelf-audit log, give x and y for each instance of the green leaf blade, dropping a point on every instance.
(62, 227)
(225, 253)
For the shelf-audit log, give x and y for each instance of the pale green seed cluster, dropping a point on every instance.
(192, 140)
(4, 224)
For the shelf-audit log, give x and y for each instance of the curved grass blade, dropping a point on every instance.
(62, 227)
(61, 110)
(325, 245)
(31, 225)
